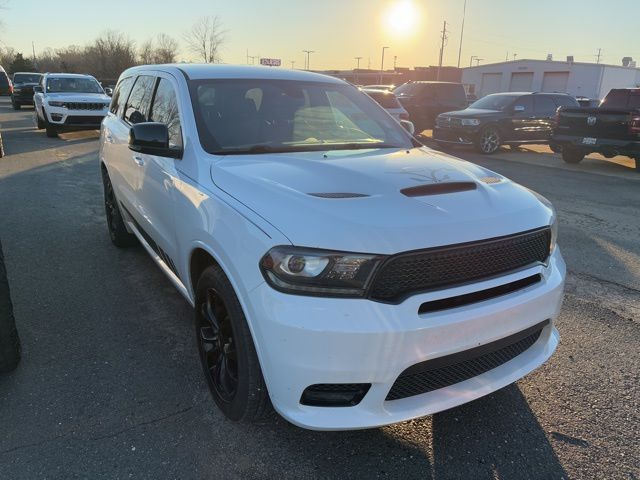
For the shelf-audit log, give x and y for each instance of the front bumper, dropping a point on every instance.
(457, 136)
(65, 118)
(302, 341)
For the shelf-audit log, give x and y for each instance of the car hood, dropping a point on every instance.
(79, 97)
(473, 113)
(295, 193)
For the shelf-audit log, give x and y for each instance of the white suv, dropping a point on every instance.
(68, 101)
(339, 269)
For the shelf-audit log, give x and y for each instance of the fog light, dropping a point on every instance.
(334, 394)
(56, 117)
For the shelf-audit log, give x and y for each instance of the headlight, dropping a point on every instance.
(306, 271)
(470, 122)
(554, 219)
(53, 103)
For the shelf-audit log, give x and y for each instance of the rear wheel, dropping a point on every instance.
(40, 123)
(120, 237)
(227, 352)
(489, 140)
(572, 155)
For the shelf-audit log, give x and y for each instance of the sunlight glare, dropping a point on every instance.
(401, 18)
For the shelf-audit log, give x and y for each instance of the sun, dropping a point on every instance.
(401, 18)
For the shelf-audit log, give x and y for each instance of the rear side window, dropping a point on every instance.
(165, 110)
(120, 95)
(526, 103)
(385, 99)
(453, 93)
(545, 106)
(566, 101)
(137, 108)
(622, 98)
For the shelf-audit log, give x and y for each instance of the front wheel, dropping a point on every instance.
(489, 140)
(572, 155)
(52, 132)
(118, 233)
(40, 123)
(227, 353)
(9, 340)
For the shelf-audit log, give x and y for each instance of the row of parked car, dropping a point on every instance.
(515, 118)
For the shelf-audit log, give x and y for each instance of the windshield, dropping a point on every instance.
(263, 116)
(26, 78)
(494, 102)
(386, 99)
(73, 84)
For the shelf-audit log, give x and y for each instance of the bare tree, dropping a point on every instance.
(146, 53)
(205, 39)
(110, 54)
(167, 49)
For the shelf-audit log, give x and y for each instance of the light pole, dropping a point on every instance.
(355, 77)
(382, 63)
(308, 63)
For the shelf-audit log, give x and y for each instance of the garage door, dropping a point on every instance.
(555, 82)
(521, 82)
(491, 83)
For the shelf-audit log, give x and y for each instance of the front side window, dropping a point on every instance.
(165, 110)
(120, 95)
(73, 85)
(137, 108)
(261, 116)
(494, 102)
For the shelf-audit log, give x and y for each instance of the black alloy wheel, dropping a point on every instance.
(489, 140)
(217, 347)
(118, 233)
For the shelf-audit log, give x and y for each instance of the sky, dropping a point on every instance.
(339, 30)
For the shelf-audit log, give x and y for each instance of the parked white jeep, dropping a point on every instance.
(66, 101)
(339, 270)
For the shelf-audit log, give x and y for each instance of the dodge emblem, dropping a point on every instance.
(591, 120)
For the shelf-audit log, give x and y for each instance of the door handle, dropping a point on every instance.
(139, 160)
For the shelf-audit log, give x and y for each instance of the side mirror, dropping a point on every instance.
(37, 89)
(153, 139)
(108, 91)
(408, 126)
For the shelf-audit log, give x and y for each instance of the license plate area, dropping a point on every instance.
(589, 141)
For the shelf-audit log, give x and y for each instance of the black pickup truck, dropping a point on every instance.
(611, 129)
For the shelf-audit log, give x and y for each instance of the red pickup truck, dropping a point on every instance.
(611, 129)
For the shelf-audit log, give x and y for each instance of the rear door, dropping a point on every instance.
(523, 120)
(156, 192)
(545, 113)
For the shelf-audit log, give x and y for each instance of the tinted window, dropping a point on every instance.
(137, 109)
(385, 99)
(120, 95)
(493, 102)
(450, 92)
(408, 89)
(545, 106)
(526, 102)
(566, 101)
(26, 77)
(165, 110)
(73, 84)
(283, 115)
(4, 80)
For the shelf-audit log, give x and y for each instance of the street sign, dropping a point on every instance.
(270, 62)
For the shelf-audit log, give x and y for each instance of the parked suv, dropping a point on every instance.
(502, 119)
(336, 267)
(426, 100)
(5, 84)
(23, 84)
(68, 101)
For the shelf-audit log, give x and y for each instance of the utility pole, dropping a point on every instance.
(382, 63)
(308, 62)
(33, 48)
(599, 55)
(395, 62)
(357, 59)
(293, 64)
(514, 56)
(464, 13)
(444, 39)
(506, 59)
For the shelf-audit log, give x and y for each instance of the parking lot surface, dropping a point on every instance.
(110, 384)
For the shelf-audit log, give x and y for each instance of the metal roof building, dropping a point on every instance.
(589, 80)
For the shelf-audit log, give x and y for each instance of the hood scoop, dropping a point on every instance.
(338, 195)
(438, 189)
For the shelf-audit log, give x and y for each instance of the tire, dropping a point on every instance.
(40, 123)
(118, 232)
(10, 350)
(555, 148)
(489, 140)
(572, 155)
(52, 132)
(227, 353)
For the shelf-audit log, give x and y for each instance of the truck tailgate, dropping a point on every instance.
(594, 122)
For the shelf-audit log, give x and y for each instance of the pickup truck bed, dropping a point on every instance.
(611, 129)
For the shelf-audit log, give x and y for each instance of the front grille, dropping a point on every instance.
(83, 120)
(448, 122)
(409, 273)
(446, 371)
(84, 106)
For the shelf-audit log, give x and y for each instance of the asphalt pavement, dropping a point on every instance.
(110, 385)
